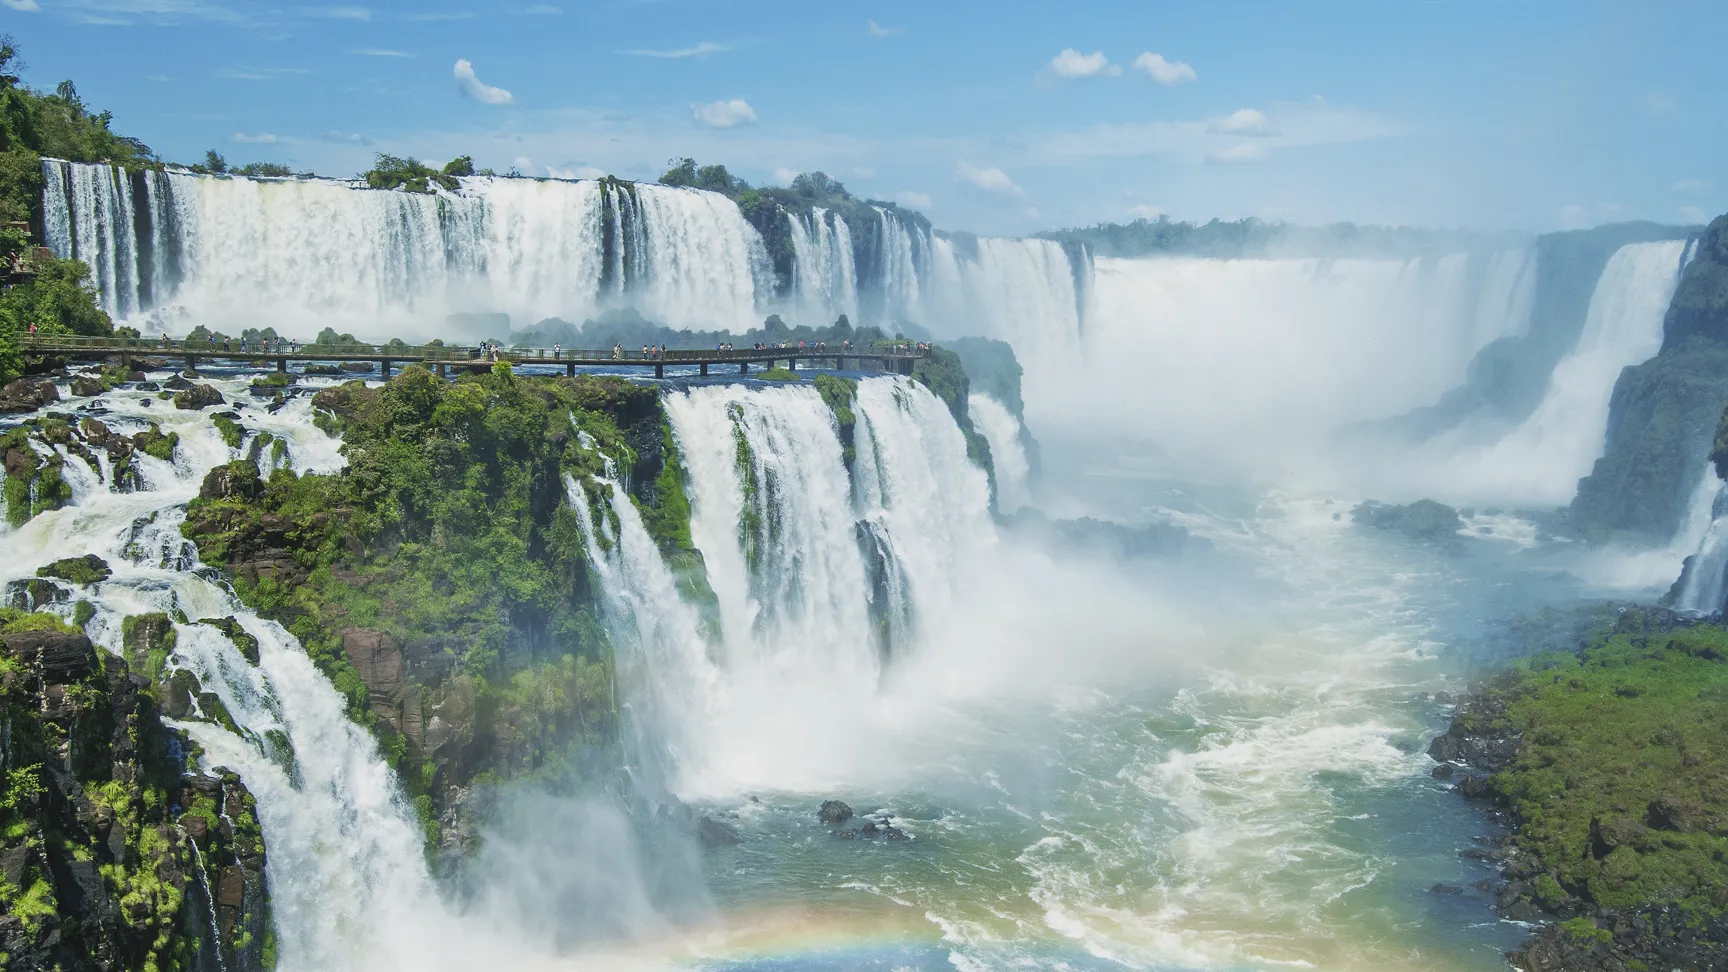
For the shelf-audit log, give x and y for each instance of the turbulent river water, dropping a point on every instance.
(1208, 760)
(1215, 762)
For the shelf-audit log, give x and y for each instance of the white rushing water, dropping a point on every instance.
(1007, 453)
(819, 575)
(170, 250)
(1540, 461)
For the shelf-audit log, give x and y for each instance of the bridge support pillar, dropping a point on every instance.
(386, 369)
(282, 366)
(791, 364)
(659, 371)
(743, 367)
(191, 364)
(839, 364)
(704, 369)
(440, 367)
(570, 369)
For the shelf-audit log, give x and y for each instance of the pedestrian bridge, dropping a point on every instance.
(894, 356)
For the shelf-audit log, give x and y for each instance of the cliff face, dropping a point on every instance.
(112, 856)
(440, 580)
(1663, 414)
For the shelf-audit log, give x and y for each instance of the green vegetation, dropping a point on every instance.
(117, 774)
(449, 539)
(54, 296)
(839, 394)
(412, 175)
(765, 207)
(778, 374)
(1620, 786)
(232, 434)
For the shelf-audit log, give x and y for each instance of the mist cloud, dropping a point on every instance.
(724, 114)
(1167, 73)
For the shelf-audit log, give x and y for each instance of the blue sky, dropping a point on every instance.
(999, 117)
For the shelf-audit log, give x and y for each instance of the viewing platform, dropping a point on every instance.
(897, 357)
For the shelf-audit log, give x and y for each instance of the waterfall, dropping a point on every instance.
(1007, 453)
(824, 279)
(1704, 590)
(663, 667)
(349, 885)
(819, 575)
(303, 253)
(1541, 460)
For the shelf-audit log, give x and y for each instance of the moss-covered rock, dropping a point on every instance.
(88, 569)
(440, 579)
(95, 869)
(1612, 763)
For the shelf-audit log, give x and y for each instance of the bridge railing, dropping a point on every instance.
(50, 343)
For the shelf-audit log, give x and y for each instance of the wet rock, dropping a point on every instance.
(1445, 889)
(176, 383)
(58, 656)
(199, 396)
(1443, 771)
(833, 813)
(88, 569)
(148, 386)
(197, 828)
(377, 659)
(27, 395)
(28, 595)
(88, 386)
(717, 833)
(236, 480)
(230, 626)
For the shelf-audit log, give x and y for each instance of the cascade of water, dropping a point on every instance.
(1706, 589)
(664, 671)
(1007, 453)
(1542, 459)
(897, 259)
(772, 515)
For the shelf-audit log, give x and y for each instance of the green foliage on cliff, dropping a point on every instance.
(410, 175)
(1620, 786)
(441, 578)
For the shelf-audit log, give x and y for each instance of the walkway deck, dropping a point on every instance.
(897, 357)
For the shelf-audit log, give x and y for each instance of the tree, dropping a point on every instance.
(214, 162)
(461, 165)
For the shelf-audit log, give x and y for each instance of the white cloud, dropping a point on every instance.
(876, 29)
(1242, 153)
(379, 52)
(1245, 121)
(784, 175)
(990, 179)
(1572, 216)
(523, 164)
(724, 114)
(1164, 72)
(913, 200)
(480, 91)
(577, 172)
(262, 138)
(1692, 185)
(706, 47)
(1693, 214)
(351, 138)
(1145, 211)
(1072, 64)
(338, 13)
(28, 6)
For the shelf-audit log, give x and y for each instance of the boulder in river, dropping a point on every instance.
(833, 813)
(199, 396)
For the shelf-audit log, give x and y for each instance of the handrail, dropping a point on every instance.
(446, 353)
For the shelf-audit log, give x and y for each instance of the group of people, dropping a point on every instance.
(269, 345)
